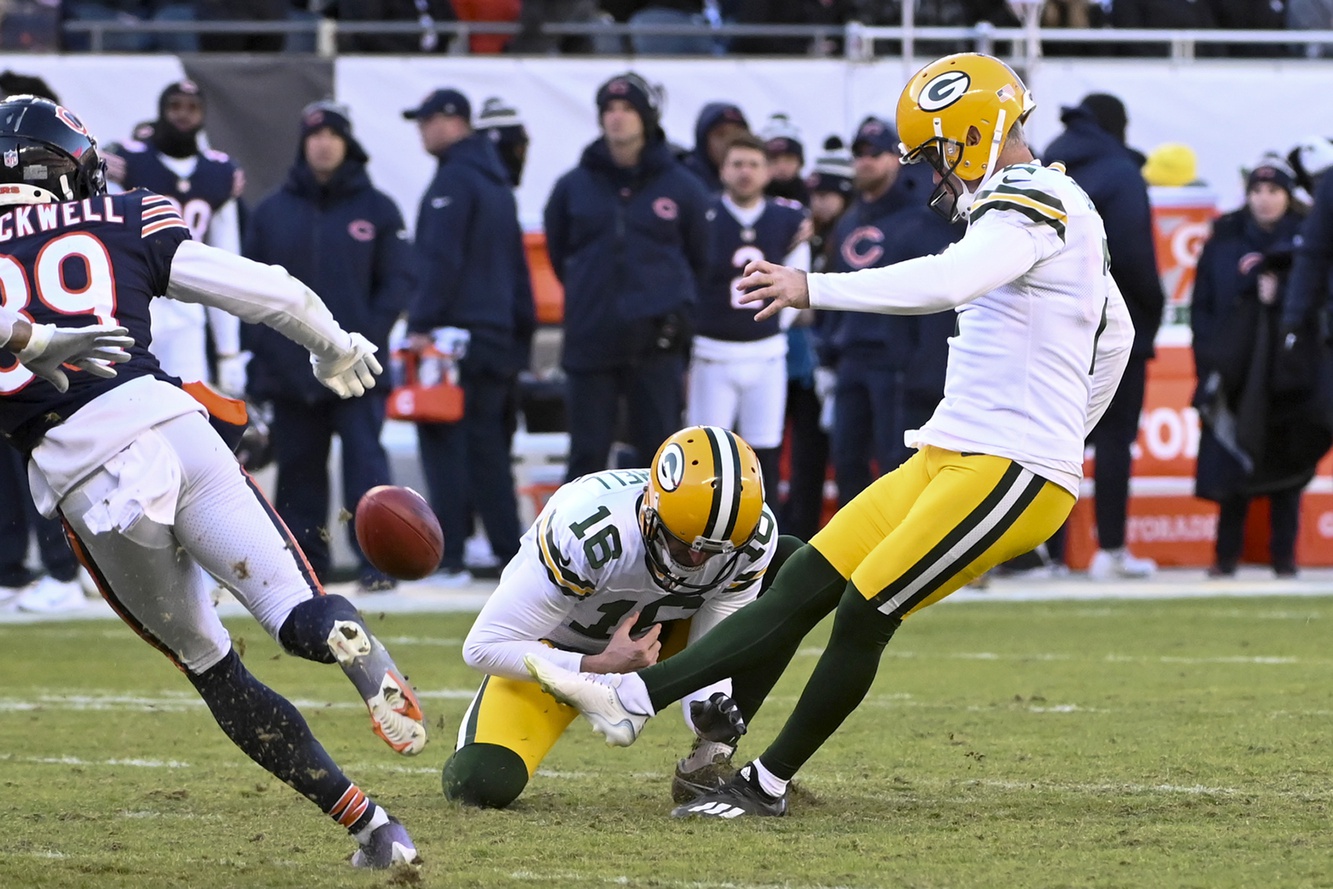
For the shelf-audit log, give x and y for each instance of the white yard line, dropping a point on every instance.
(658, 882)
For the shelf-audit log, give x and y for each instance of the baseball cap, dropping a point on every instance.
(876, 134)
(442, 101)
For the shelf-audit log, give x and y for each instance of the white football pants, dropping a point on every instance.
(746, 395)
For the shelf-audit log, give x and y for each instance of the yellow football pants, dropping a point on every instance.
(935, 523)
(518, 715)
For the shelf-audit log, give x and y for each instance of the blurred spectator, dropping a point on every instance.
(1182, 14)
(502, 125)
(786, 157)
(474, 278)
(241, 11)
(738, 376)
(13, 83)
(30, 25)
(1311, 15)
(20, 589)
(1307, 309)
(782, 12)
(880, 360)
(1258, 437)
(628, 237)
(534, 13)
(488, 11)
(205, 185)
(1311, 157)
(1171, 165)
(808, 384)
(424, 12)
(1068, 13)
(718, 123)
(664, 12)
(333, 230)
(1092, 149)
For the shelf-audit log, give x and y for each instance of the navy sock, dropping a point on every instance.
(270, 730)
(305, 632)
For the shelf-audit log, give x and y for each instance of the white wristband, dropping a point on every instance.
(38, 340)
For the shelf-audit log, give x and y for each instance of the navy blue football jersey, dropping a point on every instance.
(733, 246)
(96, 261)
(197, 197)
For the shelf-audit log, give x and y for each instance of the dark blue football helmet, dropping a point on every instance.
(46, 154)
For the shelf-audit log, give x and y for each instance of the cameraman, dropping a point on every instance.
(1260, 436)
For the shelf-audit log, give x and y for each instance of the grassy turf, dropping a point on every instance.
(1136, 744)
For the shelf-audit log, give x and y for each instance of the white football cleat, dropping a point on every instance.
(1109, 564)
(592, 694)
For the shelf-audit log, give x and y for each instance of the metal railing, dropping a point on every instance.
(853, 40)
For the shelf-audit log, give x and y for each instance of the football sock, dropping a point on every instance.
(768, 782)
(767, 630)
(272, 732)
(633, 695)
(839, 683)
(750, 687)
(377, 818)
(305, 632)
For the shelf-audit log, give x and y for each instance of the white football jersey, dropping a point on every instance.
(582, 569)
(1043, 334)
(1020, 379)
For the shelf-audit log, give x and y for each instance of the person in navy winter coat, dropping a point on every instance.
(628, 237)
(1093, 151)
(336, 232)
(890, 368)
(718, 123)
(473, 276)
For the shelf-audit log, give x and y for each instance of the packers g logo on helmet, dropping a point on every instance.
(704, 499)
(954, 114)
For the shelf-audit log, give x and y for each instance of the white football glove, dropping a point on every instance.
(349, 375)
(93, 349)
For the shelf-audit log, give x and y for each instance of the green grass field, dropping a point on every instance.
(1135, 744)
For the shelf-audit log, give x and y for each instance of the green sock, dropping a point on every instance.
(805, 590)
(839, 683)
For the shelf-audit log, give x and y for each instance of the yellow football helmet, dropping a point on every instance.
(954, 114)
(704, 499)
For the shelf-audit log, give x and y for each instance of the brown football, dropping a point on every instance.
(398, 532)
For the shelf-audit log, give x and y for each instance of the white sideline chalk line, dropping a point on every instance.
(77, 761)
(655, 881)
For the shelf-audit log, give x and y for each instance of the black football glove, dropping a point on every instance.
(718, 719)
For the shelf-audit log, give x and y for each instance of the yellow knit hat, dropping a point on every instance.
(1171, 164)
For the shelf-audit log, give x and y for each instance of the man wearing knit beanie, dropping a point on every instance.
(331, 228)
(786, 157)
(502, 125)
(627, 233)
(205, 184)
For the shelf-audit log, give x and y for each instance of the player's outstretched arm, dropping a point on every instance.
(43, 348)
(268, 294)
(785, 286)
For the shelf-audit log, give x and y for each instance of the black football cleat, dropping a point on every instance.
(740, 796)
(689, 784)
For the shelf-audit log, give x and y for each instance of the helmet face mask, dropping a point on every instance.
(700, 509)
(943, 156)
(46, 154)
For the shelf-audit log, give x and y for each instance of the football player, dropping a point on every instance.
(1043, 338)
(150, 496)
(621, 568)
(738, 369)
(203, 185)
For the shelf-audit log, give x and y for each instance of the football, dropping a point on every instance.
(398, 532)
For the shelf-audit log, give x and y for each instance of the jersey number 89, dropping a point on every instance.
(97, 295)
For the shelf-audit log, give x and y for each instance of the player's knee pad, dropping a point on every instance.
(305, 632)
(485, 775)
